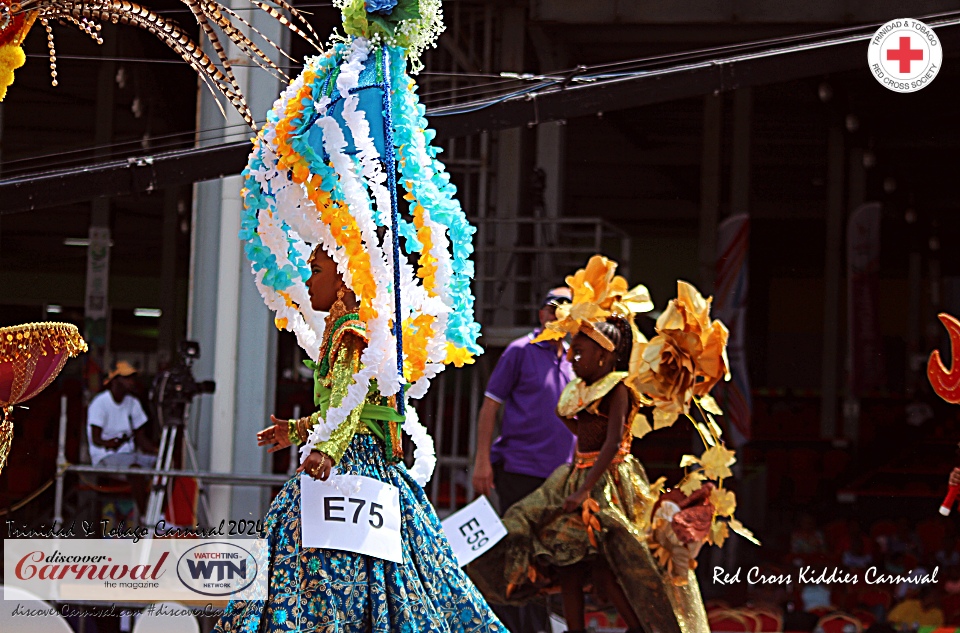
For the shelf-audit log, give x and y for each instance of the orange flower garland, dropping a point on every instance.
(418, 333)
(335, 214)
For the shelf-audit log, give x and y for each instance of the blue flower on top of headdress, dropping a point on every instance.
(383, 7)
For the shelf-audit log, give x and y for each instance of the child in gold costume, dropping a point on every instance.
(591, 520)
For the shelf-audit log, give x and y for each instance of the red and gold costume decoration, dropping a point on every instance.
(31, 356)
(946, 382)
(13, 30)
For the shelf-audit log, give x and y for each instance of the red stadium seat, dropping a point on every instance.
(839, 623)
(733, 621)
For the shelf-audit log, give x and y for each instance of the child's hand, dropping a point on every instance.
(955, 477)
(574, 501)
(276, 436)
(317, 465)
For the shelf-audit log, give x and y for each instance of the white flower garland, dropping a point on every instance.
(437, 344)
(296, 314)
(424, 451)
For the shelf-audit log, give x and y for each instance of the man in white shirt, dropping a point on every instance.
(116, 423)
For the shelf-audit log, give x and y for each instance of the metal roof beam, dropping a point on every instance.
(559, 101)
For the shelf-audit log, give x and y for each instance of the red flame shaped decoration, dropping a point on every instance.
(946, 382)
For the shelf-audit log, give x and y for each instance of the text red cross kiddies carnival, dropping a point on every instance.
(905, 54)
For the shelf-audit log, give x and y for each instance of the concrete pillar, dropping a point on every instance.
(710, 189)
(169, 317)
(856, 193)
(226, 314)
(510, 175)
(97, 300)
(740, 167)
(831, 283)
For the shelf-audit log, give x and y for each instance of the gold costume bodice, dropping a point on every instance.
(589, 406)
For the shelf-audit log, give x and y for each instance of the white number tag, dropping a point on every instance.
(351, 513)
(473, 530)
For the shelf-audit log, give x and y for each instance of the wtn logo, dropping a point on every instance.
(224, 569)
(219, 569)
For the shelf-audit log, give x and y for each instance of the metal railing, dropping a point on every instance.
(64, 466)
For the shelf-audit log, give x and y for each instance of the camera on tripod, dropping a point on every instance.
(176, 387)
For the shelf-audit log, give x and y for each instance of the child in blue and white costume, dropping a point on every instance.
(323, 226)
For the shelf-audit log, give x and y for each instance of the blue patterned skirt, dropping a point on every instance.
(342, 592)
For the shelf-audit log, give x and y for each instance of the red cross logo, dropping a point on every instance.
(905, 54)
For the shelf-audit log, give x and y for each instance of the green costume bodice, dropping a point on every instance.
(333, 374)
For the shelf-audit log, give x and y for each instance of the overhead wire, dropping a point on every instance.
(867, 29)
(624, 64)
(240, 63)
(641, 66)
(496, 91)
(191, 137)
(298, 7)
(188, 138)
(475, 107)
(476, 90)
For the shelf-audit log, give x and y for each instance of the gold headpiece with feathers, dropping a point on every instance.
(597, 294)
(87, 15)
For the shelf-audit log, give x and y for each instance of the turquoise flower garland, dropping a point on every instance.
(430, 185)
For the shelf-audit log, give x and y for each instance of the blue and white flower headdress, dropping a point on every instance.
(325, 170)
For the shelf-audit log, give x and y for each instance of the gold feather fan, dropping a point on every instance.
(87, 15)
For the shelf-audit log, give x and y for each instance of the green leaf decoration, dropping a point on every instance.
(406, 10)
(385, 22)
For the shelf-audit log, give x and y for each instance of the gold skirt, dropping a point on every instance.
(614, 524)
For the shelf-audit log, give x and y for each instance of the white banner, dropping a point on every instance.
(148, 570)
(352, 514)
(473, 530)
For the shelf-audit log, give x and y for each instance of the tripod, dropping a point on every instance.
(161, 483)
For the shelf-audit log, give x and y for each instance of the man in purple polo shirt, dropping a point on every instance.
(533, 442)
